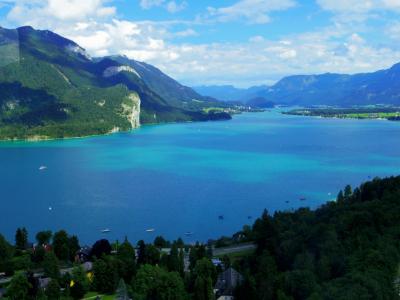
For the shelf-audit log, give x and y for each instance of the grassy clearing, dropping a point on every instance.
(237, 255)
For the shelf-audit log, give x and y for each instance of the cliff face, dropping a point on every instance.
(131, 109)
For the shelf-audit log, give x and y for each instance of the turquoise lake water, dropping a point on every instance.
(178, 178)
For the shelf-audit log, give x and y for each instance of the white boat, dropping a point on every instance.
(105, 230)
(41, 168)
(188, 233)
(150, 230)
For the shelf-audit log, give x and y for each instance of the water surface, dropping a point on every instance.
(179, 178)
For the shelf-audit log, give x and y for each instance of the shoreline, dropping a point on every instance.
(112, 132)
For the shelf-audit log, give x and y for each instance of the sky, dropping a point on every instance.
(235, 42)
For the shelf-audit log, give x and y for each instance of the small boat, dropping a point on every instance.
(249, 217)
(303, 198)
(188, 233)
(150, 230)
(221, 217)
(287, 201)
(105, 230)
(42, 168)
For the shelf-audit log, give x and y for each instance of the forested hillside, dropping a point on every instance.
(50, 87)
(348, 249)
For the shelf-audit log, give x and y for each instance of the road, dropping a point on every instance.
(233, 249)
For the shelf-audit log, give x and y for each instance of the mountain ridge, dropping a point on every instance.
(51, 88)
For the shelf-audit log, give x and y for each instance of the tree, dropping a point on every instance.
(34, 285)
(300, 284)
(160, 242)
(203, 286)
(44, 237)
(347, 191)
(100, 248)
(18, 288)
(60, 245)
(6, 253)
(104, 276)
(79, 283)
(175, 262)
(141, 259)
(126, 254)
(21, 238)
(340, 197)
(53, 290)
(152, 255)
(73, 245)
(122, 291)
(152, 282)
(51, 266)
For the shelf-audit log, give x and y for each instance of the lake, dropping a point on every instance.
(178, 178)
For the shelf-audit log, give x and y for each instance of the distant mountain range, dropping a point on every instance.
(229, 92)
(381, 87)
(50, 87)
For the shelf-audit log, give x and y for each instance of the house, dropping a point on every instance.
(44, 282)
(83, 254)
(217, 262)
(225, 298)
(87, 266)
(227, 282)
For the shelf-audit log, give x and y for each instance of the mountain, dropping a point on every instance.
(381, 87)
(168, 88)
(229, 92)
(50, 87)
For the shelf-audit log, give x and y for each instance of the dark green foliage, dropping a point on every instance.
(21, 238)
(53, 290)
(6, 252)
(100, 248)
(346, 249)
(105, 275)
(152, 282)
(126, 254)
(61, 245)
(51, 266)
(160, 242)
(18, 288)
(204, 273)
(44, 237)
(73, 246)
(81, 283)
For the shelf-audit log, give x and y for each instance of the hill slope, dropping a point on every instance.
(50, 87)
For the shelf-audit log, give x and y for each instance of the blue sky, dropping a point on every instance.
(238, 42)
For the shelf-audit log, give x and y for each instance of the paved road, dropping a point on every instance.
(233, 249)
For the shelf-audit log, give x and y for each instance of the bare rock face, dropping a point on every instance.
(112, 71)
(131, 109)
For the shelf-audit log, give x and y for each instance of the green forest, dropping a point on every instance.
(345, 249)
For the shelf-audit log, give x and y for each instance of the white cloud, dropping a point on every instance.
(44, 11)
(170, 6)
(359, 6)
(393, 30)
(260, 59)
(252, 11)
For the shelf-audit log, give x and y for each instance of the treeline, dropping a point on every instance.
(144, 271)
(347, 249)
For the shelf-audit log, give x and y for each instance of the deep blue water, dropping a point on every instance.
(177, 178)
